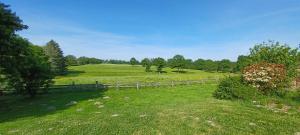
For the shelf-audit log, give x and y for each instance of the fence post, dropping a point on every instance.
(217, 78)
(73, 84)
(117, 85)
(97, 84)
(137, 85)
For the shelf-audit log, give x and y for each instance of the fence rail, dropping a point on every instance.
(138, 85)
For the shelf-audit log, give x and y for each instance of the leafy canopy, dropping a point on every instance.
(146, 63)
(274, 52)
(178, 62)
(56, 57)
(133, 61)
(160, 63)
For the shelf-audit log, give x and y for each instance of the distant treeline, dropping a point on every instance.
(178, 62)
(71, 60)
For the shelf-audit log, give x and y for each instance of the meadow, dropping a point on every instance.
(111, 73)
(162, 110)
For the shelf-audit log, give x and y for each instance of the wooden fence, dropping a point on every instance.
(138, 85)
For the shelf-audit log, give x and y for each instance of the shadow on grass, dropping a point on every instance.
(161, 72)
(179, 71)
(15, 107)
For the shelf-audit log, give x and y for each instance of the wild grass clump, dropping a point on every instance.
(233, 88)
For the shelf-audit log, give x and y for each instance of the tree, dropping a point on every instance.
(71, 60)
(83, 60)
(56, 57)
(189, 64)
(9, 24)
(146, 63)
(9, 52)
(210, 65)
(177, 62)
(112, 61)
(242, 62)
(133, 61)
(160, 63)
(24, 67)
(199, 64)
(37, 72)
(274, 52)
(225, 65)
(94, 61)
(32, 71)
(298, 60)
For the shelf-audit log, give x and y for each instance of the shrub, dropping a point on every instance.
(233, 88)
(265, 76)
(275, 52)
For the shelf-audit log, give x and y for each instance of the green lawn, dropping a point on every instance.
(111, 73)
(161, 111)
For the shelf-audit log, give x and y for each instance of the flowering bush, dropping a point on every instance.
(265, 76)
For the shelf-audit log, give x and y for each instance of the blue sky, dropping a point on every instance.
(120, 29)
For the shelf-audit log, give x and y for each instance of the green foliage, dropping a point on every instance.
(189, 64)
(274, 52)
(160, 63)
(32, 72)
(71, 60)
(146, 63)
(225, 65)
(113, 61)
(242, 62)
(133, 61)
(83, 60)
(37, 72)
(298, 56)
(199, 64)
(233, 88)
(87, 60)
(24, 67)
(9, 24)
(10, 54)
(210, 65)
(178, 62)
(56, 58)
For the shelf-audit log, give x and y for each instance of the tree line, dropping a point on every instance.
(179, 63)
(72, 60)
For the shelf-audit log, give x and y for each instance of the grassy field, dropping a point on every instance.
(162, 111)
(110, 73)
(158, 111)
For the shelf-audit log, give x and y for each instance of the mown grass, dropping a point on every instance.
(111, 73)
(166, 111)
